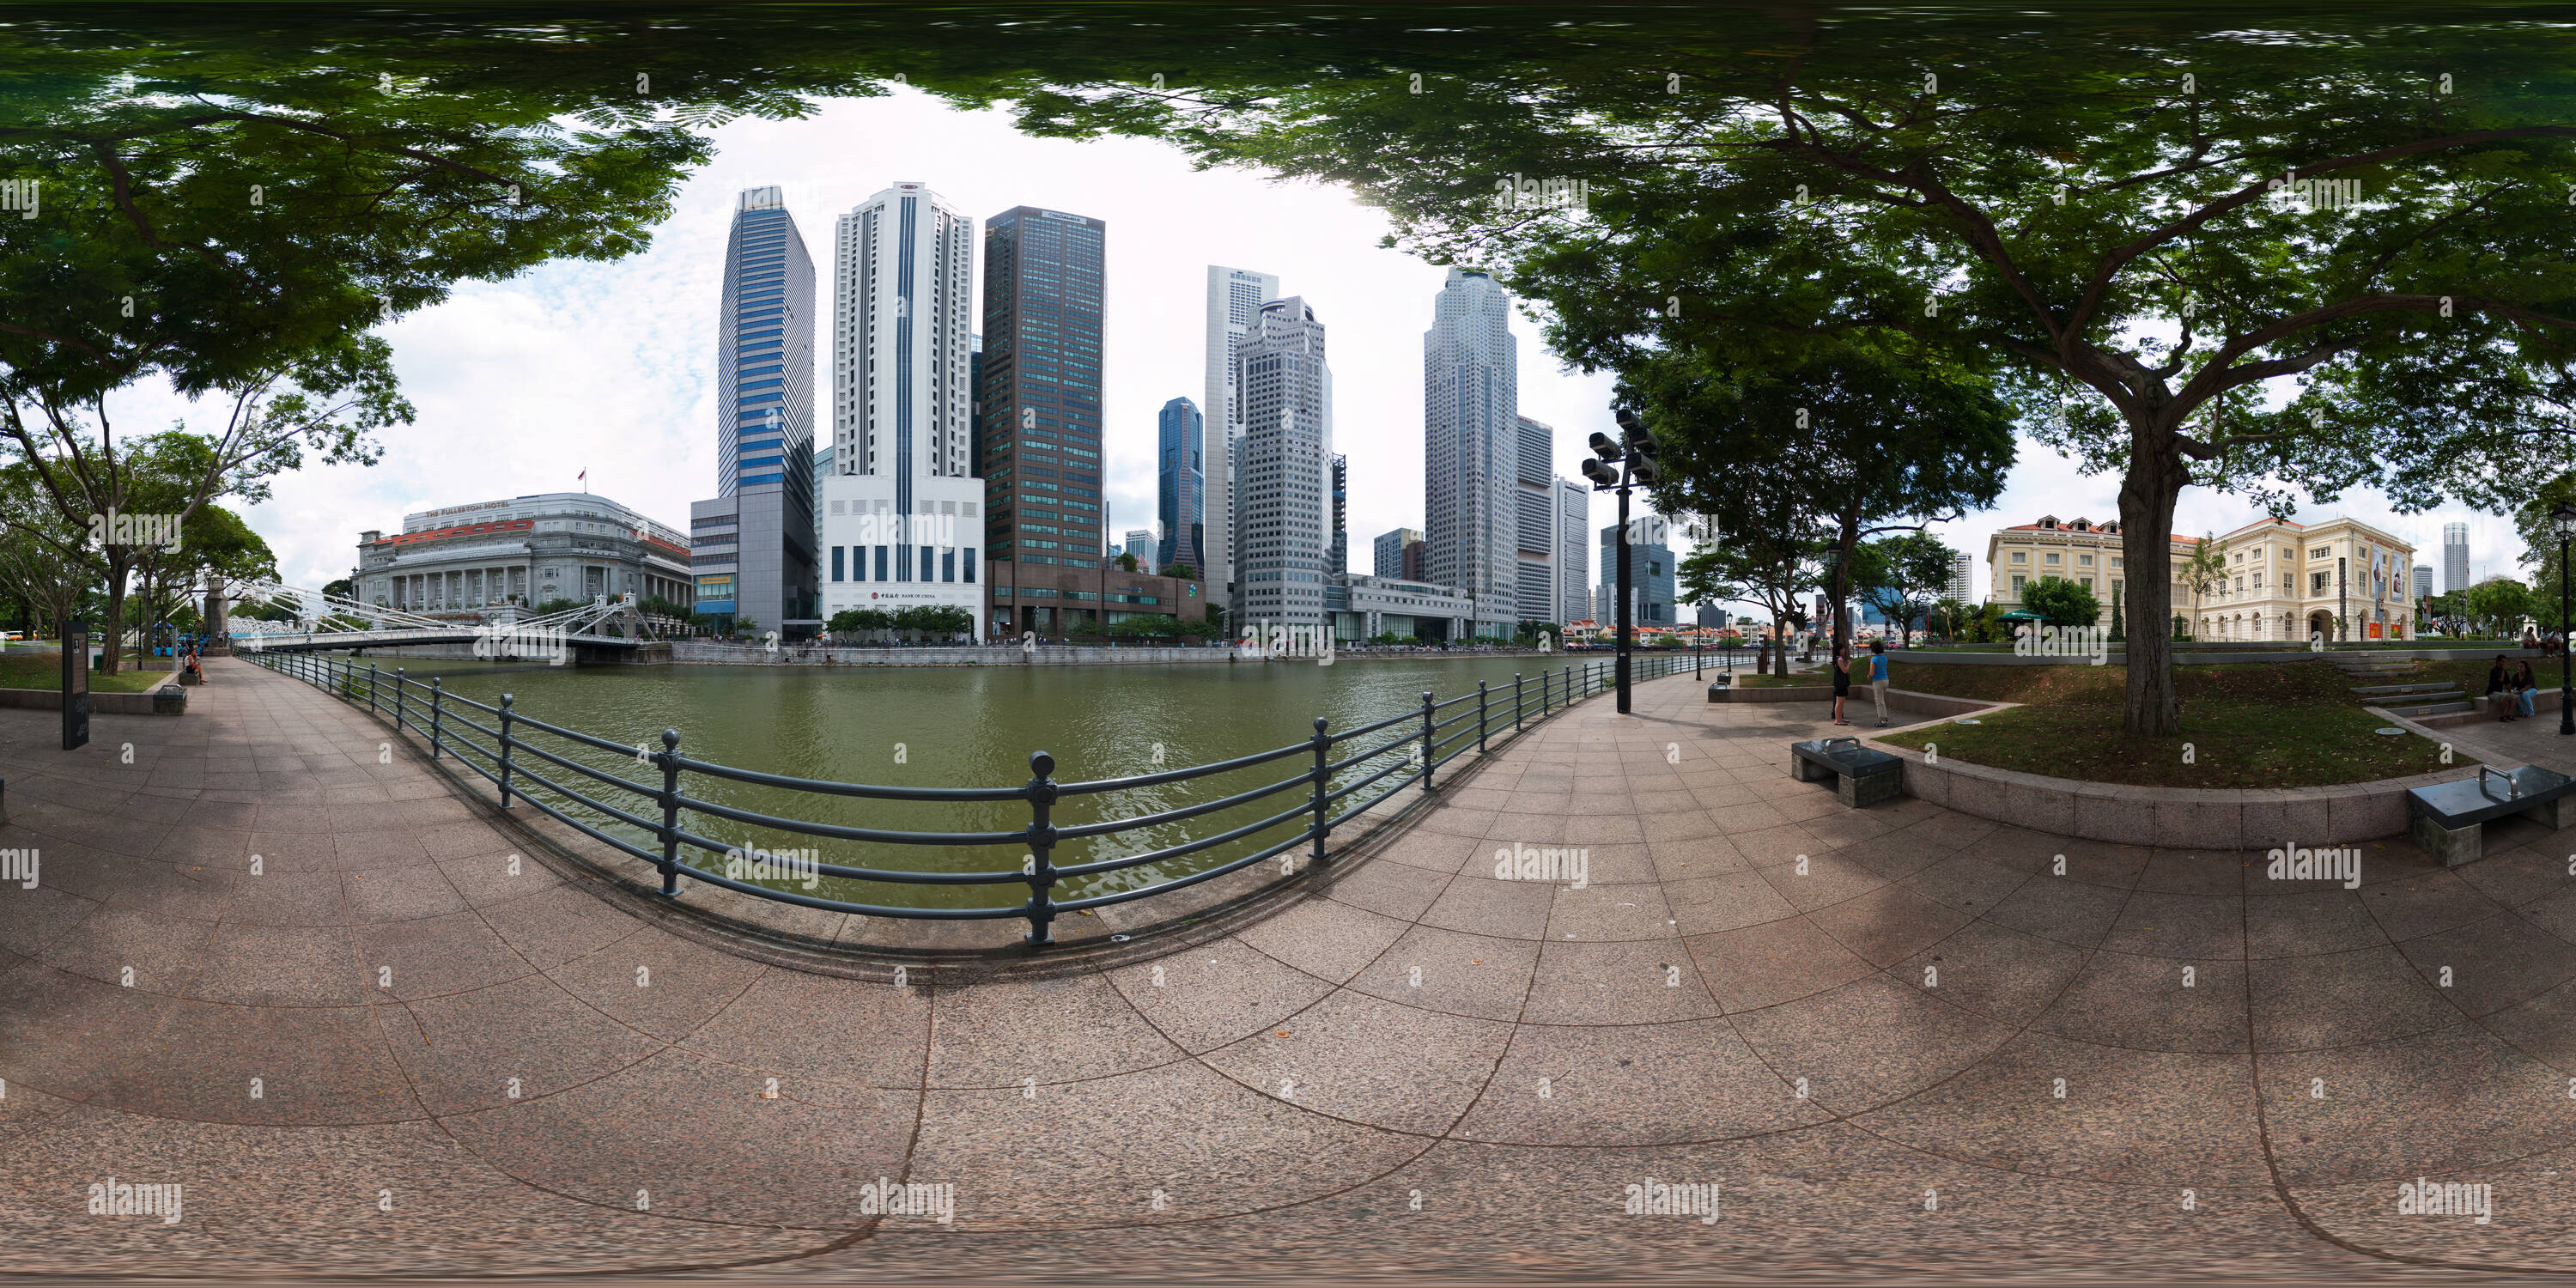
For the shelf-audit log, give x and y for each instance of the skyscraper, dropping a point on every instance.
(1181, 488)
(2423, 581)
(1141, 543)
(1389, 561)
(1572, 519)
(1338, 557)
(2455, 557)
(1234, 300)
(1286, 391)
(903, 521)
(1470, 401)
(752, 544)
(1534, 537)
(1041, 394)
(1650, 580)
(1961, 566)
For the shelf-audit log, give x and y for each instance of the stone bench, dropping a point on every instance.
(2446, 818)
(1862, 777)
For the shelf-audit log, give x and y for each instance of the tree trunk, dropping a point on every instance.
(1846, 541)
(114, 628)
(2147, 495)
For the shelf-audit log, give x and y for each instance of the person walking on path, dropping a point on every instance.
(1842, 681)
(1878, 678)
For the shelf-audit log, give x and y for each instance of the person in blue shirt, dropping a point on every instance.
(1878, 678)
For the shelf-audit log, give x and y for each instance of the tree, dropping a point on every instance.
(1766, 565)
(2062, 602)
(2202, 574)
(1912, 570)
(1186, 572)
(2499, 604)
(344, 588)
(1857, 439)
(2135, 251)
(1127, 560)
(2119, 627)
(2450, 612)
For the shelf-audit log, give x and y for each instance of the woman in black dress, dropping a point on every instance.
(1842, 681)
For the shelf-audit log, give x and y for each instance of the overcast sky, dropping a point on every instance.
(521, 385)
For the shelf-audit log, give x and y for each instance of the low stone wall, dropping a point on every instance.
(2168, 817)
(2546, 703)
(2195, 657)
(120, 704)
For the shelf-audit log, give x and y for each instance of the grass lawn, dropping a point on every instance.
(2273, 724)
(45, 671)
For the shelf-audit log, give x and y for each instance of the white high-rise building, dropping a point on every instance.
(1533, 520)
(2455, 557)
(1572, 517)
(1471, 439)
(1286, 486)
(1234, 300)
(1962, 569)
(902, 509)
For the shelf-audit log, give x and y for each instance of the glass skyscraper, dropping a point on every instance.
(1181, 489)
(1471, 441)
(1040, 389)
(1284, 498)
(752, 545)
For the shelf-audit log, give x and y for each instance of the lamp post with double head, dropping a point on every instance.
(1636, 460)
(2563, 518)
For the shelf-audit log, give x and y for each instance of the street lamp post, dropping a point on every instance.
(1636, 458)
(2564, 519)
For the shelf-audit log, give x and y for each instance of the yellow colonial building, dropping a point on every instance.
(2282, 581)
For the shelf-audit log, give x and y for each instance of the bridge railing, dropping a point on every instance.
(1340, 775)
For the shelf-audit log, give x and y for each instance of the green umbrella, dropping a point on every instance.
(2021, 615)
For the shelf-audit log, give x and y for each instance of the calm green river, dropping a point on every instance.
(976, 727)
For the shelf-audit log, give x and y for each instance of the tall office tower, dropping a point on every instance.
(1960, 583)
(1286, 506)
(1534, 537)
(2423, 581)
(1650, 583)
(1390, 551)
(1338, 558)
(903, 511)
(1572, 517)
(752, 545)
(1470, 439)
(1041, 394)
(1141, 543)
(1181, 487)
(2455, 557)
(1234, 300)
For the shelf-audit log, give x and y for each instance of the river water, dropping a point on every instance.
(976, 727)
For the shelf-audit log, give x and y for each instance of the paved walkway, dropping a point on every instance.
(1413, 1068)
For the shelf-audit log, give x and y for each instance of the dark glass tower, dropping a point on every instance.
(752, 545)
(1039, 388)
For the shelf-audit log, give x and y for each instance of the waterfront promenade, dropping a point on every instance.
(1407, 1068)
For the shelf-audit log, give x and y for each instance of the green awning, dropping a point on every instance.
(2021, 615)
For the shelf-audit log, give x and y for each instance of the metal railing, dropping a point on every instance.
(1420, 740)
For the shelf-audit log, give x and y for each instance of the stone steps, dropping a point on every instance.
(2435, 709)
(2402, 688)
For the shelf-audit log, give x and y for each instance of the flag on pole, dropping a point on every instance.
(584, 479)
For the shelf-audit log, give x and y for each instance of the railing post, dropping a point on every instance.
(398, 699)
(670, 759)
(1426, 739)
(371, 688)
(437, 710)
(505, 751)
(1323, 754)
(1480, 717)
(1516, 702)
(1041, 870)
